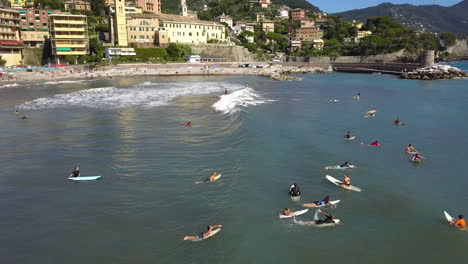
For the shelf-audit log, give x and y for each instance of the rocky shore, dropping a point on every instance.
(437, 72)
(285, 74)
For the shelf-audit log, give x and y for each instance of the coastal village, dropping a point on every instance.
(143, 25)
(44, 40)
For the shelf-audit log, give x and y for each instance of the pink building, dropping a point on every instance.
(153, 6)
(297, 14)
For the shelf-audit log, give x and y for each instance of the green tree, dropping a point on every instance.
(2, 62)
(448, 38)
(98, 7)
(175, 50)
(96, 48)
(70, 59)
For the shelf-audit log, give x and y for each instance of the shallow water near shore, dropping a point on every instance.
(263, 136)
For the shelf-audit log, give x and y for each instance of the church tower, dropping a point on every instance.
(183, 8)
(120, 24)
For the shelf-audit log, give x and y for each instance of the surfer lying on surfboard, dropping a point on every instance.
(417, 158)
(75, 173)
(202, 235)
(189, 123)
(286, 212)
(345, 165)
(323, 202)
(212, 178)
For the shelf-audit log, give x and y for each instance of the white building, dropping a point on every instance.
(223, 18)
(117, 52)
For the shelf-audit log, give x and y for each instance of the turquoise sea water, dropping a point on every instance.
(263, 137)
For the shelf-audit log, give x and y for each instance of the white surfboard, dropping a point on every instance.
(315, 206)
(351, 138)
(214, 232)
(449, 218)
(85, 178)
(338, 183)
(294, 214)
(312, 223)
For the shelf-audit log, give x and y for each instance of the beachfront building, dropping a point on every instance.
(296, 45)
(224, 19)
(68, 34)
(11, 45)
(21, 3)
(141, 29)
(152, 6)
(77, 5)
(118, 52)
(297, 14)
(34, 26)
(189, 30)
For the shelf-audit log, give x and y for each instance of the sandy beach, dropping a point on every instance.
(75, 73)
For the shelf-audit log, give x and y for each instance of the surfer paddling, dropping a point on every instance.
(189, 123)
(75, 173)
(460, 222)
(212, 178)
(323, 202)
(203, 235)
(286, 212)
(348, 135)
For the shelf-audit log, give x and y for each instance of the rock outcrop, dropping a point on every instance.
(437, 72)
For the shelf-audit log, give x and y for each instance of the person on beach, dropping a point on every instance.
(323, 202)
(375, 144)
(75, 173)
(328, 218)
(348, 135)
(346, 181)
(409, 149)
(460, 222)
(286, 211)
(294, 190)
(202, 235)
(212, 178)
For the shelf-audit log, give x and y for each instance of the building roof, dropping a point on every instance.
(223, 16)
(138, 15)
(184, 19)
(65, 14)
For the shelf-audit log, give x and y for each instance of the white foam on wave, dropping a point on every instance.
(147, 95)
(233, 102)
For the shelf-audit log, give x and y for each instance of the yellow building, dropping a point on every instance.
(188, 30)
(119, 25)
(268, 26)
(69, 34)
(141, 29)
(10, 42)
(362, 34)
(21, 3)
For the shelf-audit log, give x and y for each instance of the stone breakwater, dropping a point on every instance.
(438, 72)
(285, 74)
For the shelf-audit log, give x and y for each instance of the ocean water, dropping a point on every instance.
(263, 136)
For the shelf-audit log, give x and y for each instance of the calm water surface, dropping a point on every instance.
(263, 136)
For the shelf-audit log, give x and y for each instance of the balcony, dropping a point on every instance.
(69, 29)
(71, 46)
(68, 36)
(83, 52)
(69, 22)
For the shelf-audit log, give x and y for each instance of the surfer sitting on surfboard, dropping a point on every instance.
(324, 201)
(348, 135)
(460, 222)
(346, 181)
(294, 190)
(410, 149)
(75, 173)
(202, 235)
(328, 218)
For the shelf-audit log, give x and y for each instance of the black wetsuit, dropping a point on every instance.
(328, 220)
(295, 191)
(75, 174)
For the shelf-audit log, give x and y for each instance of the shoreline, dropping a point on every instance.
(75, 74)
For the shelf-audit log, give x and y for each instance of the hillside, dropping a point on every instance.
(173, 5)
(424, 18)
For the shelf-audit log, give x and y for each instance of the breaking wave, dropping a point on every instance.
(233, 102)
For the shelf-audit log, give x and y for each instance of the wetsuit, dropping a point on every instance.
(75, 174)
(328, 220)
(295, 191)
(344, 165)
